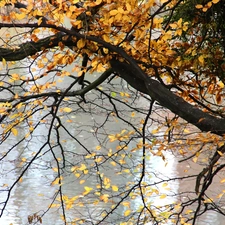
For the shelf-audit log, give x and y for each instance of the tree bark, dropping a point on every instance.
(203, 120)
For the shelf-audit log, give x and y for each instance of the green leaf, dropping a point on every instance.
(113, 94)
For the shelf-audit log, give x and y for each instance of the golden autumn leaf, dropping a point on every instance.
(195, 159)
(3, 62)
(205, 9)
(163, 196)
(87, 190)
(220, 84)
(55, 169)
(81, 43)
(199, 6)
(155, 131)
(201, 59)
(113, 163)
(127, 212)
(104, 198)
(67, 109)
(14, 131)
(82, 181)
(82, 167)
(126, 204)
(133, 114)
(115, 188)
(113, 12)
(20, 16)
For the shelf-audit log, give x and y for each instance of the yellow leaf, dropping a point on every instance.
(220, 153)
(20, 16)
(215, 1)
(14, 131)
(113, 163)
(155, 131)
(189, 211)
(209, 4)
(114, 188)
(173, 25)
(39, 13)
(55, 169)
(98, 147)
(199, 6)
(3, 62)
(99, 159)
(23, 159)
(178, 32)
(113, 12)
(126, 204)
(195, 159)
(106, 38)
(163, 196)
(204, 9)
(201, 59)
(67, 109)
(127, 212)
(186, 131)
(87, 190)
(56, 181)
(15, 76)
(133, 114)
(104, 197)
(82, 181)
(81, 43)
(98, 2)
(85, 171)
(27, 135)
(83, 167)
(221, 84)
(126, 171)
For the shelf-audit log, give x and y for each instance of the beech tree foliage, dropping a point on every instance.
(94, 92)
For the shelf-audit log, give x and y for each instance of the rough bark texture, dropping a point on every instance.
(204, 121)
(30, 48)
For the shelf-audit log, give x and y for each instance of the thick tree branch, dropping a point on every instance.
(131, 72)
(30, 48)
(203, 120)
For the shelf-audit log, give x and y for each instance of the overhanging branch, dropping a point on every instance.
(30, 48)
(131, 72)
(203, 120)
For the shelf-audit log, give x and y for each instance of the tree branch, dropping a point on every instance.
(203, 120)
(30, 48)
(131, 72)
